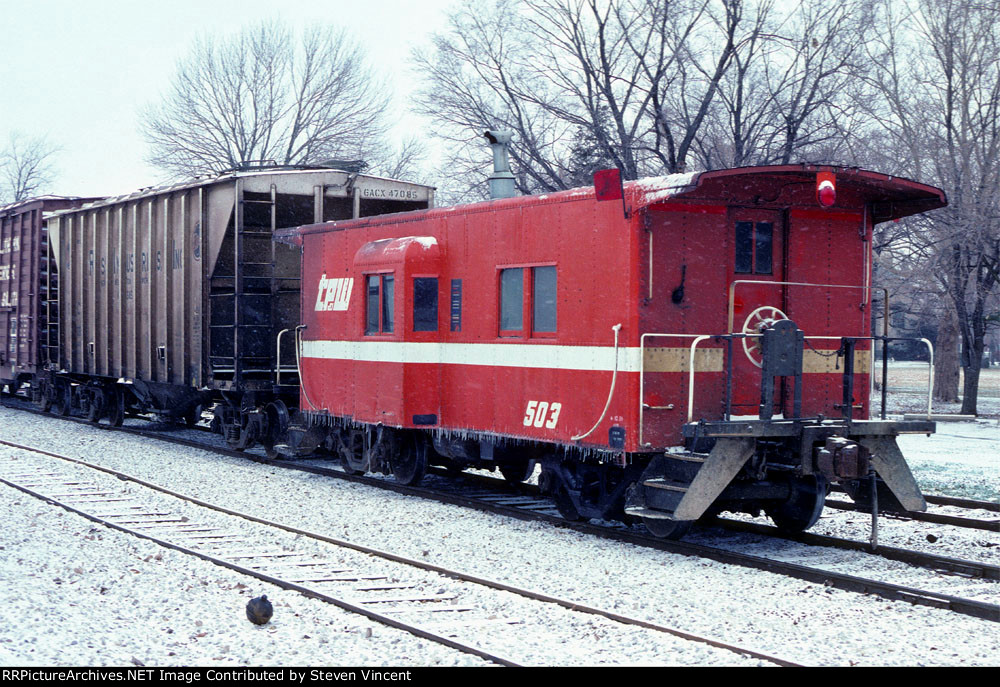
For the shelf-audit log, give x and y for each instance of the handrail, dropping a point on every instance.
(298, 366)
(930, 378)
(642, 370)
(732, 295)
(698, 338)
(611, 392)
(694, 345)
(277, 366)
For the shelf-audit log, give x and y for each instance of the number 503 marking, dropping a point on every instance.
(542, 414)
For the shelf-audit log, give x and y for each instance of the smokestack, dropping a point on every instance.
(502, 180)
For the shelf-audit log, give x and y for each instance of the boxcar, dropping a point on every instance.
(173, 298)
(601, 336)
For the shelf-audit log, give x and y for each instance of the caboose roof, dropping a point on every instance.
(890, 197)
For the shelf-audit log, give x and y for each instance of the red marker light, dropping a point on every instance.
(826, 189)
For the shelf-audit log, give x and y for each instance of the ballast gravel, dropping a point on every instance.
(160, 607)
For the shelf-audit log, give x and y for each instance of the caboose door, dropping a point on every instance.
(756, 297)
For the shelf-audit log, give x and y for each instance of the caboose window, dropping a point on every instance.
(762, 248)
(379, 304)
(543, 297)
(528, 292)
(744, 247)
(372, 307)
(387, 303)
(425, 304)
(512, 300)
(753, 247)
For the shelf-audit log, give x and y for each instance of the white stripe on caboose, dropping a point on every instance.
(551, 356)
(536, 356)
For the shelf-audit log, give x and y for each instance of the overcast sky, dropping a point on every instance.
(79, 72)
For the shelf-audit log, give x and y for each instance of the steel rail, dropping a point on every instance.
(845, 582)
(277, 581)
(459, 575)
(956, 566)
(935, 518)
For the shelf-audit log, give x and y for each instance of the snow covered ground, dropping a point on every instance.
(72, 593)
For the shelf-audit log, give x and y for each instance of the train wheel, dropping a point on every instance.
(44, 397)
(665, 528)
(269, 450)
(277, 428)
(409, 463)
(803, 507)
(116, 407)
(565, 505)
(96, 403)
(63, 399)
(352, 452)
(192, 416)
(516, 473)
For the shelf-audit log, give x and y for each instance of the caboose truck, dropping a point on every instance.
(701, 343)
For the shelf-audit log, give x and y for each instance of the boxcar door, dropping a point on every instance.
(756, 260)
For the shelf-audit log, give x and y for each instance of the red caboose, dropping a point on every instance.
(562, 329)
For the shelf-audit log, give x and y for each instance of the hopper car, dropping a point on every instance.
(170, 298)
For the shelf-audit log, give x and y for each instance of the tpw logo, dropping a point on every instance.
(334, 294)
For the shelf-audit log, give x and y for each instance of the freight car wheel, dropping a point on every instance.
(268, 442)
(116, 407)
(63, 399)
(278, 419)
(803, 507)
(44, 397)
(192, 416)
(664, 528)
(95, 405)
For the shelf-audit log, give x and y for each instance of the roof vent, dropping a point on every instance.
(502, 180)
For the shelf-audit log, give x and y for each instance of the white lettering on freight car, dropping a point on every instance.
(391, 193)
(334, 294)
(10, 245)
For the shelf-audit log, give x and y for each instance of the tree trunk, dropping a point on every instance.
(946, 362)
(970, 389)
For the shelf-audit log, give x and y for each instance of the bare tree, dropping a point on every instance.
(262, 95)
(25, 167)
(787, 96)
(473, 80)
(628, 82)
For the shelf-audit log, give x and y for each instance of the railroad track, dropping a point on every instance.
(989, 524)
(397, 597)
(523, 503)
(493, 495)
